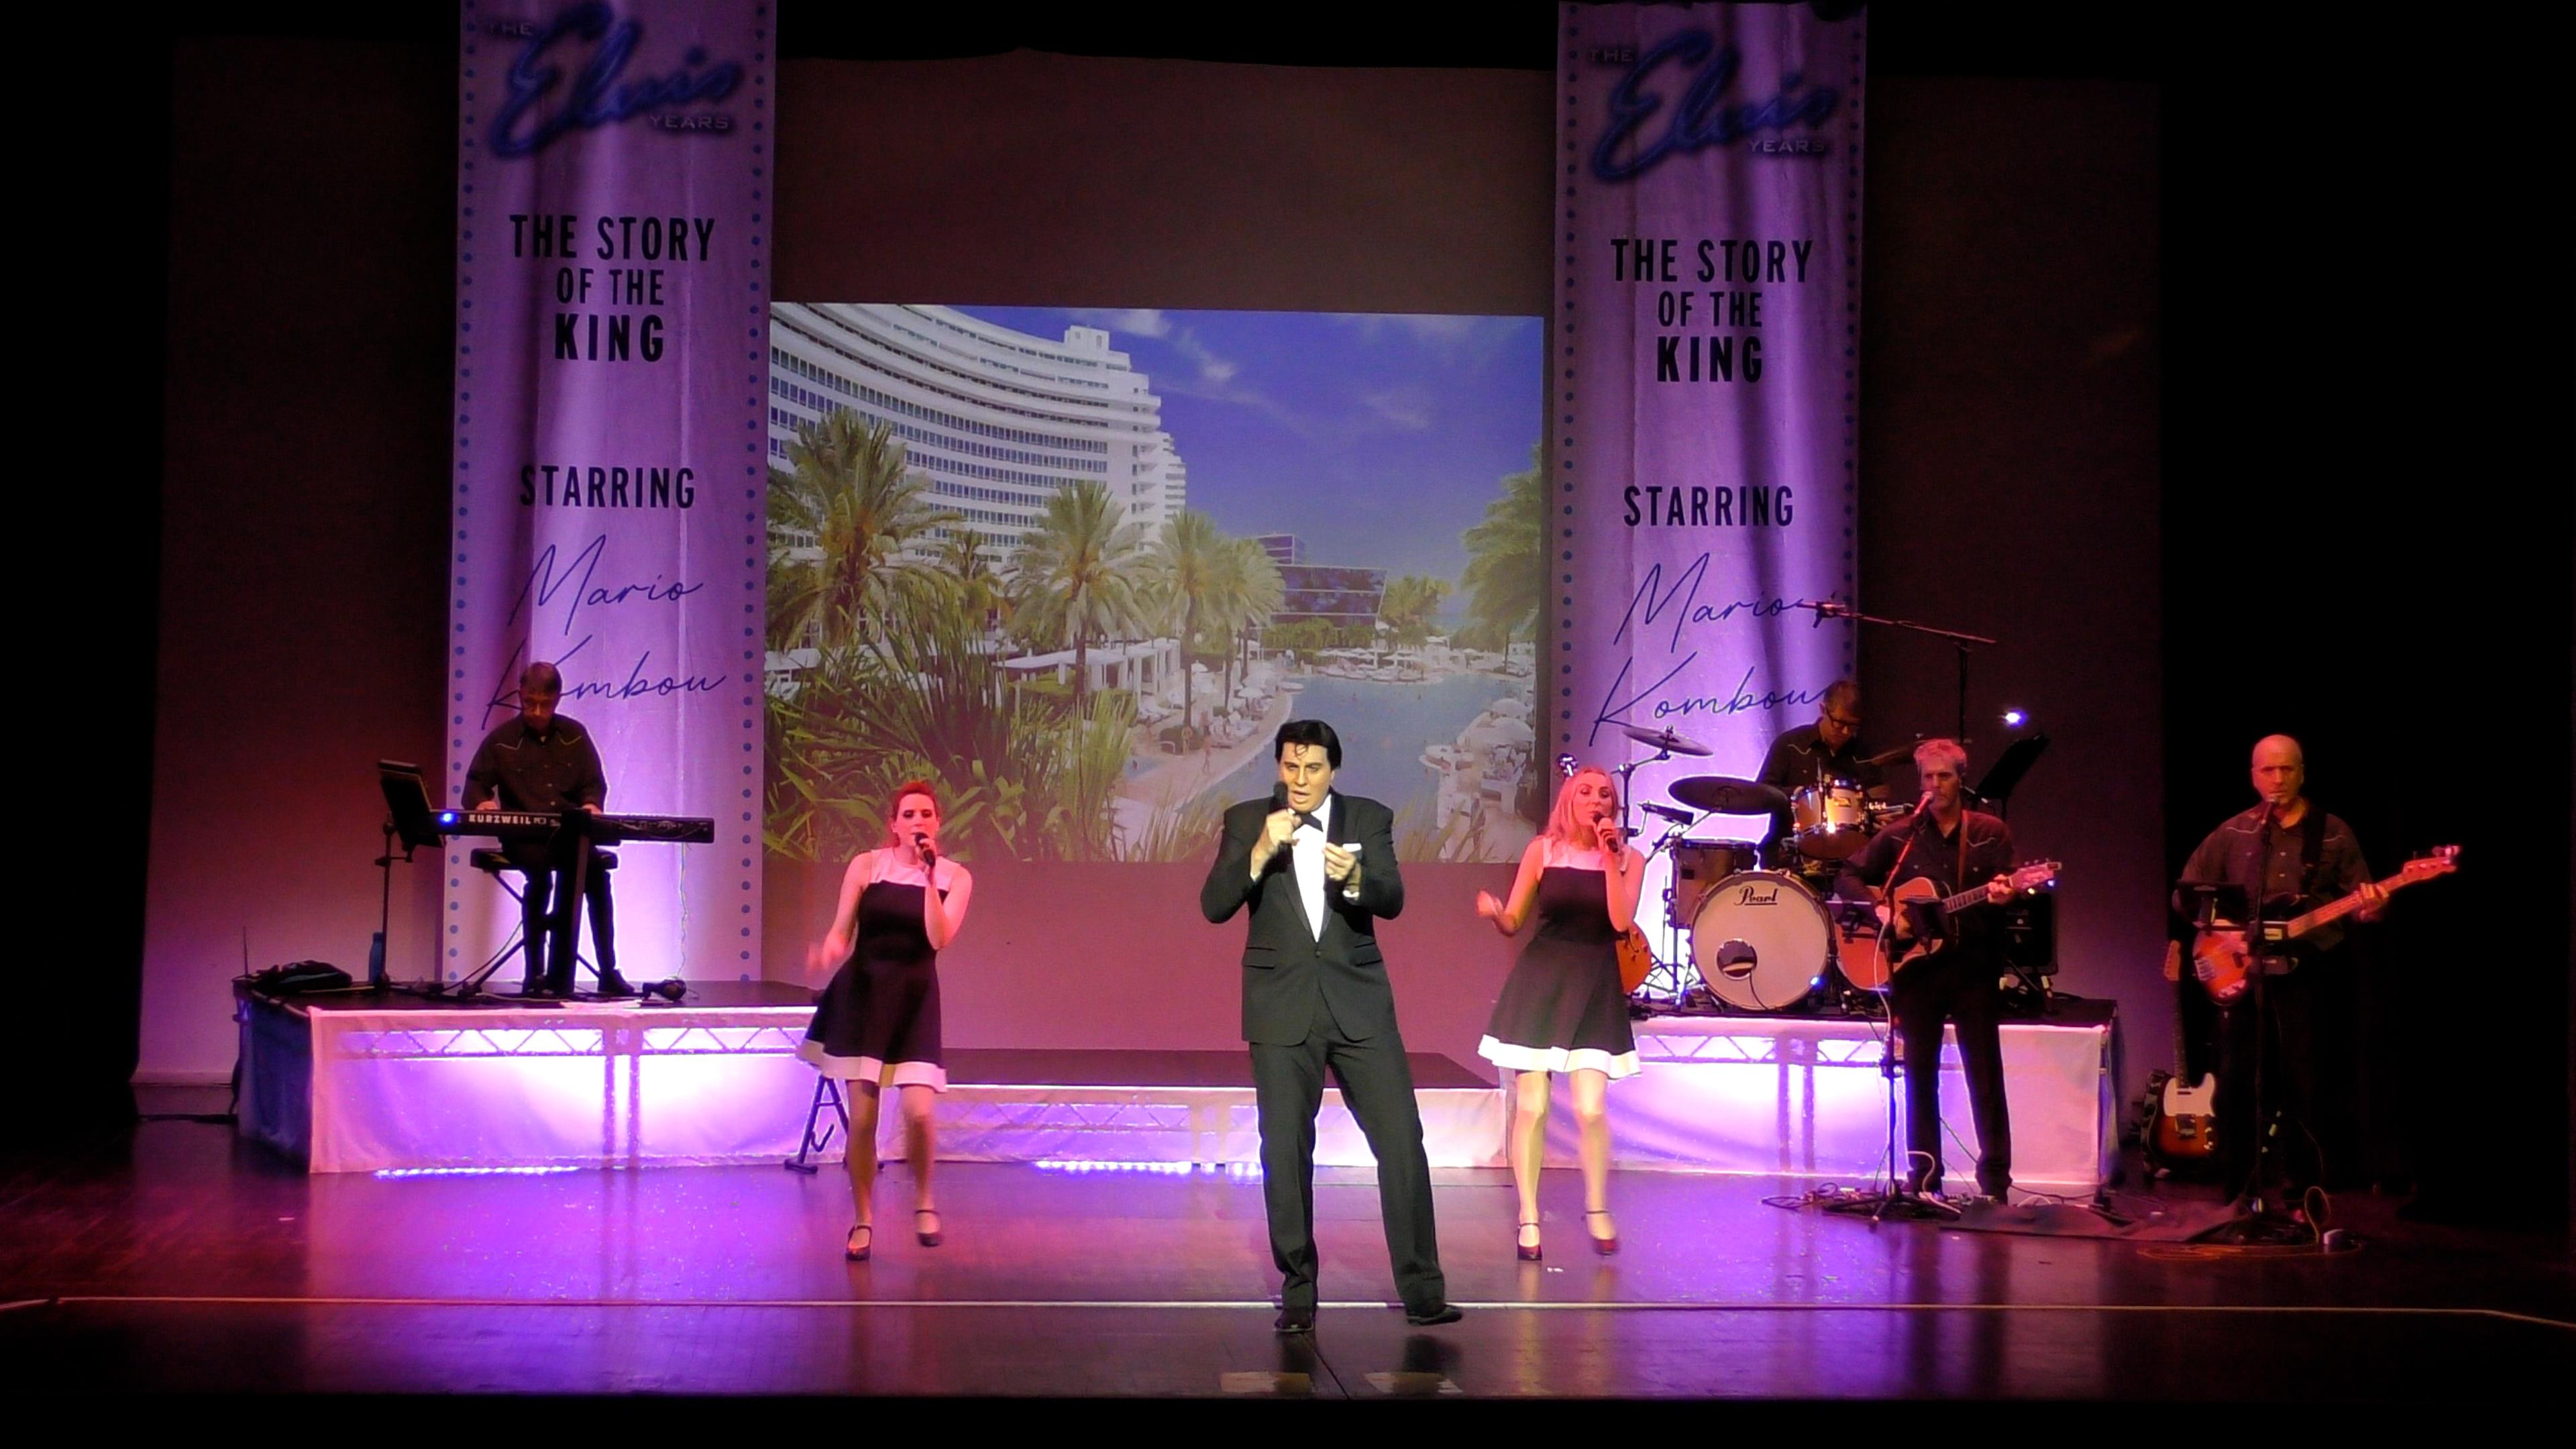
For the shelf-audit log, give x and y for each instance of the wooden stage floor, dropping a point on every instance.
(178, 1259)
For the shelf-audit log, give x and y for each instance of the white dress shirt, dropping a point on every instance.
(1306, 854)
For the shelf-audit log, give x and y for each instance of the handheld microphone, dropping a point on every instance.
(921, 843)
(1279, 796)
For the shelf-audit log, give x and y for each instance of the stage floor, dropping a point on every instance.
(184, 1260)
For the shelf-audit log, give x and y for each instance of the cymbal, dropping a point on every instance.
(1666, 740)
(1727, 795)
(1889, 757)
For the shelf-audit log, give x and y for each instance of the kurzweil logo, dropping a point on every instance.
(599, 94)
(1704, 113)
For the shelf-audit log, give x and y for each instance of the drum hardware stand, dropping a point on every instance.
(1672, 962)
(1626, 774)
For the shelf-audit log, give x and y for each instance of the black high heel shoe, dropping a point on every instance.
(931, 1237)
(1529, 1252)
(1604, 1246)
(856, 1250)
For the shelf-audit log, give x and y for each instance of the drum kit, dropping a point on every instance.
(1755, 922)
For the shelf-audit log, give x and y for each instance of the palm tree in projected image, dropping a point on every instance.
(969, 576)
(1507, 562)
(1181, 573)
(1409, 604)
(1075, 577)
(1250, 591)
(847, 502)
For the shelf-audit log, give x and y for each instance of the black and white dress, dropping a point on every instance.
(881, 1008)
(1561, 1009)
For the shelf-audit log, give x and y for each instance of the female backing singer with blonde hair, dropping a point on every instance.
(881, 1010)
(1562, 1009)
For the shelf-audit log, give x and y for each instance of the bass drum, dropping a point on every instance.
(1760, 941)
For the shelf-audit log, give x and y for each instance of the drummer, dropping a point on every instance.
(1822, 754)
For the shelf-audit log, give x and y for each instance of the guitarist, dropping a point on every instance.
(2285, 856)
(1952, 847)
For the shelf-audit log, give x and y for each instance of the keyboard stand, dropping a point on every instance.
(494, 864)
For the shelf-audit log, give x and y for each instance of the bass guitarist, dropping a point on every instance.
(1951, 847)
(2282, 856)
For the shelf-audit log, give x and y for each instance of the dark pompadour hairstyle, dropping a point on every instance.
(1308, 732)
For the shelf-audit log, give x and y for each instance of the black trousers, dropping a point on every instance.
(2269, 1057)
(1377, 1085)
(550, 941)
(1954, 985)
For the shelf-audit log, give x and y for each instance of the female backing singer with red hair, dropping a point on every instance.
(899, 905)
(1562, 1009)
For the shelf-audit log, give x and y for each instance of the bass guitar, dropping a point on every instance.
(1870, 960)
(2223, 958)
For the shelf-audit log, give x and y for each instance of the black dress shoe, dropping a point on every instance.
(612, 984)
(1295, 1320)
(1434, 1317)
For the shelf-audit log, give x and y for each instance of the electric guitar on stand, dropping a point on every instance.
(1870, 961)
(2224, 958)
(2186, 1125)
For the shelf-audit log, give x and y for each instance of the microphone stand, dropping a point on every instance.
(1962, 642)
(2255, 1221)
(1895, 1195)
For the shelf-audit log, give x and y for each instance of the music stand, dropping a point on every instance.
(407, 818)
(2009, 767)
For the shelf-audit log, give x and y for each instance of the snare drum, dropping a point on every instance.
(1760, 940)
(1831, 821)
(1701, 864)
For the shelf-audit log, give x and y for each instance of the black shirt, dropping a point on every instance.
(555, 771)
(2233, 853)
(1922, 850)
(1798, 758)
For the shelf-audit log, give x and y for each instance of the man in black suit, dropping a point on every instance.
(1318, 869)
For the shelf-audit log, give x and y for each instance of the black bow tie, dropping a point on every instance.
(1303, 818)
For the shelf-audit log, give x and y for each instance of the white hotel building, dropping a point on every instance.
(998, 421)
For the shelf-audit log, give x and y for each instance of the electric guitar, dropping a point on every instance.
(2186, 1127)
(2223, 958)
(1870, 960)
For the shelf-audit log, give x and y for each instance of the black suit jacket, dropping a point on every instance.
(1285, 967)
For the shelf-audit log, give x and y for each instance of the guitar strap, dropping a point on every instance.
(2312, 849)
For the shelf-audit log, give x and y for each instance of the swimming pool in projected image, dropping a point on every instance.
(1385, 728)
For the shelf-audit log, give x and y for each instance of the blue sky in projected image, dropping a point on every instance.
(1377, 439)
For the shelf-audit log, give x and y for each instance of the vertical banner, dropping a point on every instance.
(611, 364)
(1705, 374)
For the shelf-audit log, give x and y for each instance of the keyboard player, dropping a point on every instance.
(540, 760)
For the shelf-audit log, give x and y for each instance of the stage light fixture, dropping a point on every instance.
(2014, 719)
